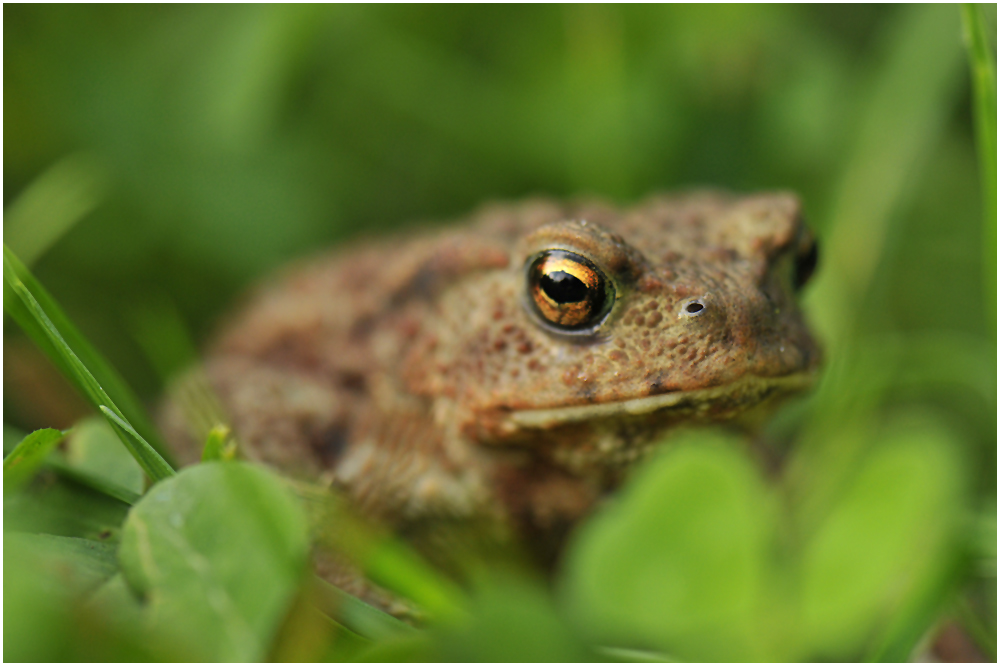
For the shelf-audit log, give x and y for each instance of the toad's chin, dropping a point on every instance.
(717, 402)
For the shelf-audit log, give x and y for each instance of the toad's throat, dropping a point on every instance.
(746, 392)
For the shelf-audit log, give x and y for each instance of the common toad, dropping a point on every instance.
(513, 367)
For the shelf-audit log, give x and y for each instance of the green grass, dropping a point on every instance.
(984, 114)
(15, 274)
(286, 129)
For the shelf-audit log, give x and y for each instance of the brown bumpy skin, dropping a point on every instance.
(415, 374)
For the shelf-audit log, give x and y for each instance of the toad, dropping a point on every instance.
(515, 366)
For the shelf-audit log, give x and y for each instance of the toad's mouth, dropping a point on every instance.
(718, 401)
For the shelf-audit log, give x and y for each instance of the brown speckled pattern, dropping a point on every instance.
(393, 368)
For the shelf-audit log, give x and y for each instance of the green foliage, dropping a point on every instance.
(21, 300)
(219, 445)
(97, 461)
(226, 533)
(384, 560)
(888, 545)
(694, 559)
(150, 461)
(57, 200)
(60, 506)
(163, 156)
(46, 580)
(27, 457)
(510, 619)
(90, 563)
(357, 615)
(679, 563)
(984, 114)
(95, 451)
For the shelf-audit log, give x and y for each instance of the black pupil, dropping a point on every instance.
(562, 287)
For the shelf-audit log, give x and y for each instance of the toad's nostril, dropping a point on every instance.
(693, 308)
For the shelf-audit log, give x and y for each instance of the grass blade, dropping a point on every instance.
(218, 445)
(92, 481)
(384, 560)
(395, 566)
(151, 462)
(913, 91)
(27, 457)
(49, 207)
(147, 457)
(87, 563)
(356, 615)
(110, 381)
(912, 94)
(984, 116)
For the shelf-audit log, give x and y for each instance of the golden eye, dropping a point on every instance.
(569, 291)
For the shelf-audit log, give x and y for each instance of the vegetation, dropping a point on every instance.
(157, 159)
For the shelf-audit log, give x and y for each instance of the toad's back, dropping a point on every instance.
(512, 367)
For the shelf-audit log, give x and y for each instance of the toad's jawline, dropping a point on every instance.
(748, 390)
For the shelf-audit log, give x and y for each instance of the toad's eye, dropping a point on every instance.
(569, 291)
(805, 264)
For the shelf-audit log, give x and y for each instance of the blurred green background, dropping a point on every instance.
(166, 157)
(230, 139)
